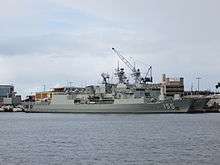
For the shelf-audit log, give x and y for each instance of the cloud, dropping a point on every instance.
(51, 41)
(30, 74)
(11, 8)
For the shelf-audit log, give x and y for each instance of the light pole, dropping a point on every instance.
(70, 83)
(44, 87)
(198, 79)
(191, 87)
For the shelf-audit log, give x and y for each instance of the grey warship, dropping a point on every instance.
(121, 97)
(110, 99)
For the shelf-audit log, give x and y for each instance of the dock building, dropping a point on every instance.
(172, 86)
(8, 95)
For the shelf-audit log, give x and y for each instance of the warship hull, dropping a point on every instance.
(178, 106)
(199, 104)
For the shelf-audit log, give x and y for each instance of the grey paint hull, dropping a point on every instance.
(181, 106)
(199, 105)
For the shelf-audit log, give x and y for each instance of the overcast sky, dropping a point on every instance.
(54, 41)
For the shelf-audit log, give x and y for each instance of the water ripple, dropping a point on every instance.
(109, 139)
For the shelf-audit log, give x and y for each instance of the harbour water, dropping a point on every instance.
(109, 139)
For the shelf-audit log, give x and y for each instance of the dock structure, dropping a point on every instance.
(172, 86)
(8, 95)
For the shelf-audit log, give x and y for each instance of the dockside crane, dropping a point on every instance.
(135, 72)
(217, 86)
(127, 63)
(148, 77)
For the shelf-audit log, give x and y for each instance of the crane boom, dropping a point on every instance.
(149, 71)
(135, 72)
(127, 63)
(148, 77)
